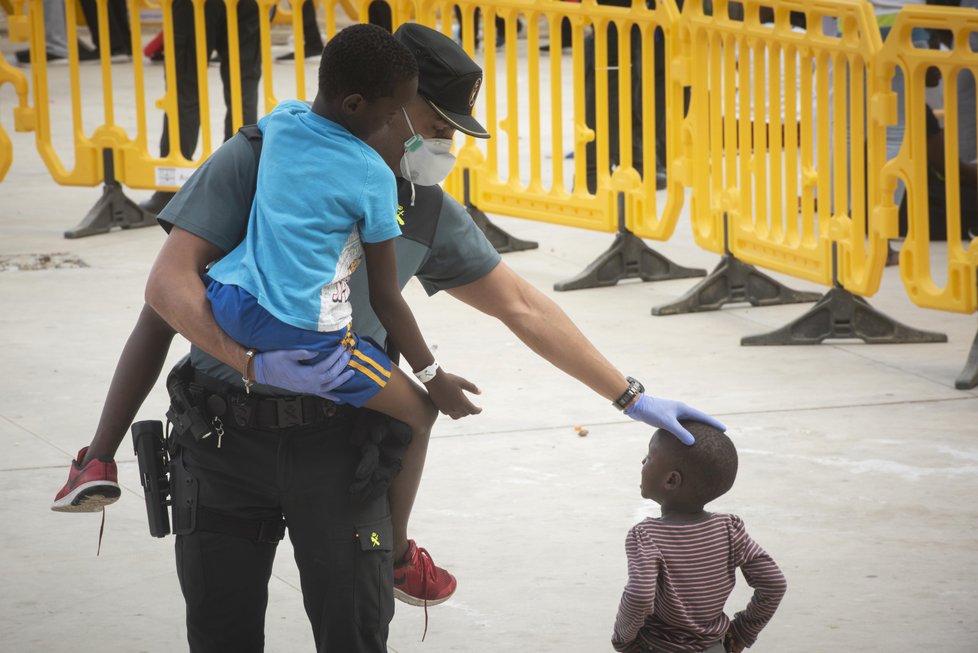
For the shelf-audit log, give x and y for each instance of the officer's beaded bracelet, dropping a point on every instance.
(634, 389)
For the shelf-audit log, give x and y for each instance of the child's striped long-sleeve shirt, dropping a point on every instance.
(679, 578)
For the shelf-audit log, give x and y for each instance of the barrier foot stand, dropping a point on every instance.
(113, 209)
(502, 241)
(969, 375)
(628, 258)
(733, 281)
(840, 314)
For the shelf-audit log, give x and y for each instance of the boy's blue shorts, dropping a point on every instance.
(239, 314)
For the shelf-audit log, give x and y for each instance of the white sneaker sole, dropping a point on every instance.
(401, 595)
(88, 497)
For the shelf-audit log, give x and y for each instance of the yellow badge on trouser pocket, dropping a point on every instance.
(376, 535)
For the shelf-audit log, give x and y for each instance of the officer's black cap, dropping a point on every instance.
(447, 77)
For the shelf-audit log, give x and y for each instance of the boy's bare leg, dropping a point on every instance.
(135, 375)
(402, 399)
(404, 489)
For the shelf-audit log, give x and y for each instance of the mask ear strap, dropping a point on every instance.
(410, 126)
(406, 161)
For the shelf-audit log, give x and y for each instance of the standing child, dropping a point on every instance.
(286, 285)
(681, 566)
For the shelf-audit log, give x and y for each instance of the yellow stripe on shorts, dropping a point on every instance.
(380, 369)
(369, 373)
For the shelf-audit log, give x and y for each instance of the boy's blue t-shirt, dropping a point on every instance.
(320, 190)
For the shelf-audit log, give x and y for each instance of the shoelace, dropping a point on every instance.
(101, 529)
(427, 571)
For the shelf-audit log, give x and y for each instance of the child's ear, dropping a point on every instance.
(674, 480)
(353, 103)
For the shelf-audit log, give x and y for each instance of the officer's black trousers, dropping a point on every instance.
(303, 473)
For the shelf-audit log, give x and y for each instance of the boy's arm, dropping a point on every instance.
(762, 573)
(638, 599)
(445, 390)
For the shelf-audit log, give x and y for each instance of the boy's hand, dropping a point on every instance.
(446, 392)
(730, 642)
(285, 369)
(666, 413)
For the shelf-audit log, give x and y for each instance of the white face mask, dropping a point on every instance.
(426, 161)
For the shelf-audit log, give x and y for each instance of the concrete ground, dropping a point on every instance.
(859, 464)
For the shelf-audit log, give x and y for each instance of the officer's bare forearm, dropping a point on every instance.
(544, 327)
(176, 292)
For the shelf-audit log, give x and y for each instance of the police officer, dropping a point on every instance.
(276, 457)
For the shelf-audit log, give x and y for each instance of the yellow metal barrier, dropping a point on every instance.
(914, 164)
(534, 105)
(782, 176)
(103, 148)
(546, 95)
(960, 291)
(17, 21)
(785, 137)
(540, 97)
(23, 114)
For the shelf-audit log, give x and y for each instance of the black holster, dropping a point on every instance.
(382, 441)
(186, 414)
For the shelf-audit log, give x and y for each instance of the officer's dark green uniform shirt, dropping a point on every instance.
(439, 242)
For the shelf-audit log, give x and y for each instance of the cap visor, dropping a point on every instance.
(464, 123)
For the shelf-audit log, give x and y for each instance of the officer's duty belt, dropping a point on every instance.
(253, 410)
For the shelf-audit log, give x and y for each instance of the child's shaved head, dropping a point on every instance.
(708, 467)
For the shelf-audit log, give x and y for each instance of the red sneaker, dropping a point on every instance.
(89, 488)
(418, 581)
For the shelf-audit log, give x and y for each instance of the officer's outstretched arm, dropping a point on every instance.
(176, 292)
(537, 320)
(547, 330)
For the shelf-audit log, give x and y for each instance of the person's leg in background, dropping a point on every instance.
(967, 119)
(379, 14)
(312, 40)
(56, 38)
(120, 41)
(659, 52)
(249, 51)
(476, 16)
(55, 29)
(634, 77)
(566, 34)
(188, 102)
(590, 105)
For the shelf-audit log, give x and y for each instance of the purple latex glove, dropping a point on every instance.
(666, 413)
(285, 369)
